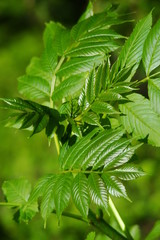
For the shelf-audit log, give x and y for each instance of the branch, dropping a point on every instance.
(104, 227)
(72, 215)
(100, 224)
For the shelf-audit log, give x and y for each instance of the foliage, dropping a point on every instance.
(90, 105)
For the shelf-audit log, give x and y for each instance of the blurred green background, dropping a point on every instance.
(21, 26)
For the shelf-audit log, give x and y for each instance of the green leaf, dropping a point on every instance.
(40, 187)
(154, 94)
(88, 12)
(124, 88)
(15, 120)
(17, 190)
(98, 79)
(122, 75)
(18, 104)
(47, 203)
(114, 187)
(127, 172)
(56, 38)
(151, 56)
(140, 119)
(33, 87)
(84, 157)
(89, 87)
(69, 87)
(80, 194)
(62, 192)
(102, 77)
(40, 124)
(91, 236)
(155, 232)
(76, 130)
(98, 190)
(49, 62)
(103, 107)
(91, 118)
(63, 151)
(97, 21)
(79, 65)
(34, 117)
(37, 69)
(82, 101)
(110, 95)
(114, 154)
(100, 35)
(29, 119)
(37, 83)
(131, 53)
(76, 149)
(124, 156)
(27, 212)
(91, 48)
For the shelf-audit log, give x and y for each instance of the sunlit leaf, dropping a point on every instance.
(80, 194)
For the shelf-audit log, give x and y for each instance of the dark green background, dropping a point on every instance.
(21, 26)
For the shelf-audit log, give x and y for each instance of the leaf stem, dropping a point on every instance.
(57, 143)
(72, 215)
(10, 204)
(119, 220)
(147, 78)
(98, 223)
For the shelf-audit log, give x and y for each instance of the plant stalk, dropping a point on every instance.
(98, 223)
(10, 204)
(71, 215)
(119, 220)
